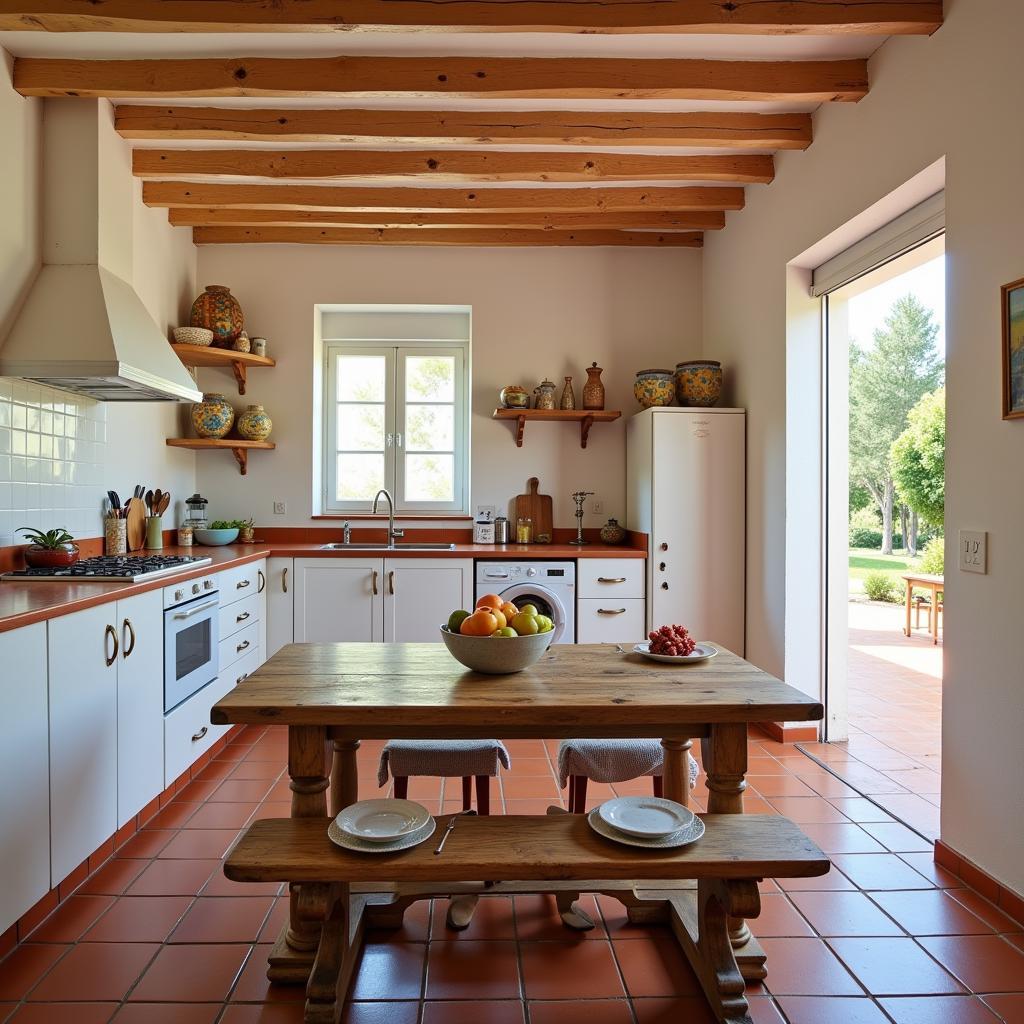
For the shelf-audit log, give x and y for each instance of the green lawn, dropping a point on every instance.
(865, 560)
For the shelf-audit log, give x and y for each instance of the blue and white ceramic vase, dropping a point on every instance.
(213, 416)
(254, 424)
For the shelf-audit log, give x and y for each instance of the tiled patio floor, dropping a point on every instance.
(158, 936)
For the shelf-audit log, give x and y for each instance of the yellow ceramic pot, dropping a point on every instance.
(699, 382)
(654, 387)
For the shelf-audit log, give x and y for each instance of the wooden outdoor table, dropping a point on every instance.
(331, 696)
(935, 585)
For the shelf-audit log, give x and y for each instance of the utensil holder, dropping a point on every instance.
(115, 536)
(154, 533)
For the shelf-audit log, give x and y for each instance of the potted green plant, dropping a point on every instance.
(246, 530)
(52, 549)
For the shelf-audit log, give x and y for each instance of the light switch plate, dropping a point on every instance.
(973, 551)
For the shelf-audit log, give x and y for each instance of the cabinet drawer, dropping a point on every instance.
(235, 617)
(188, 732)
(610, 577)
(243, 580)
(244, 642)
(610, 621)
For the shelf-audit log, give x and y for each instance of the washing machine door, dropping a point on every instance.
(547, 602)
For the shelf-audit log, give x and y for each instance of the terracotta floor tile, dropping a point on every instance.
(930, 912)
(145, 844)
(894, 967)
(984, 963)
(509, 1011)
(826, 1010)
(232, 816)
(530, 787)
(472, 970)
(843, 913)
(415, 926)
(833, 881)
(656, 968)
(194, 844)
(63, 1013)
(112, 878)
(173, 878)
(981, 907)
(530, 806)
(174, 815)
(492, 919)
(1009, 1007)
(273, 809)
(198, 790)
(224, 919)
(924, 864)
(848, 838)
(806, 967)
(807, 809)
(242, 791)
(537, 919)
(71, 919)
(763, 1010)
(859, 808)
(526, 767)
(287, 1013)
(688, 1009)
(95, 971)
(390, 971)
(194, 973)
(583, 1011)
(897, 838)
(253, 985)
(268, 771)
(779, 918)
(168, 1013)
(566, 970)
(939, 1010)
(278, 918)
(879, 871)
(779, 785)
(219, 885)
(139, 919)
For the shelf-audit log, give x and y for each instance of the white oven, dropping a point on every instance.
(191, 638)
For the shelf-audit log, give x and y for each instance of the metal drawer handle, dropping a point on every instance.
(242, 584)
(129, 642)
(195, 611)
(196, 737)
(263, 581)
(110, 634)
(242, 617)
(284, 580)
(242, 646)
(244, 675)
(391, 582)
(609, 579)
(611, 611)
(373, 583)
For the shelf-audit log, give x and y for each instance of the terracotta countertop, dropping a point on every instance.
(21, 604)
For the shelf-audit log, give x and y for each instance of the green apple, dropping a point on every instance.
(544, 624)
(529, 609)
(505, 631)
(525, 625)
(456, 619)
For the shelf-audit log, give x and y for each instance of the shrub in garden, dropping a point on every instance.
(933, 557)
(879, 586)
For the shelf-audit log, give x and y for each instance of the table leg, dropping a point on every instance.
(676, 770)
(344, 775)
(909, 602)
(935, 615)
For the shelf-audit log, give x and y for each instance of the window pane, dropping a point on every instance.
(361, 428)
(359, 477)
(429, 428)
(429, 478)
(361, 378)
(430, 379)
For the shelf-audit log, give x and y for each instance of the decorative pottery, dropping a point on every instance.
(193, 336)
(568, 395)
(218, 311)
(612, 533)
(247, 534)
(254, 424)
(241, 343)
(545, 395)
(213, 416)
(654, 387)
(37, 557)
(698, 382)
(593, 390)
(259, 346)
(515, 397)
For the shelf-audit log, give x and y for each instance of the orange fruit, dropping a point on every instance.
(500, 616)
(490, 601)
(509, 610)
(480, 623)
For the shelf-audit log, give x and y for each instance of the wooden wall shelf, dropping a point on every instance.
(207, 355)
(586, 418)
(236, 445)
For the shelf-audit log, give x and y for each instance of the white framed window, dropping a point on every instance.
(395, 415)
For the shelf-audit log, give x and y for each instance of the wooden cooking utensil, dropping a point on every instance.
(162, 505)
(538, 508)
(136, 525)
(149, 501)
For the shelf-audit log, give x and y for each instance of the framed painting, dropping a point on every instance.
(1013, 350)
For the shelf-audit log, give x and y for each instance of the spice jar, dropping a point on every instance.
(524, 530)
(184, 536)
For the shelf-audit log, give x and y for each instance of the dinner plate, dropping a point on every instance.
(683, 837)
(406, 842)
(648, 817)
(382, 821)
(702, 652)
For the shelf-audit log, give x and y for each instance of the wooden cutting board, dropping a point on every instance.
(136, 525)
(538, 508)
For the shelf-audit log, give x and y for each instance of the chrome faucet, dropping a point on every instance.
(393, 534)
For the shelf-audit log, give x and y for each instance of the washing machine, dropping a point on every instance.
(551, 586)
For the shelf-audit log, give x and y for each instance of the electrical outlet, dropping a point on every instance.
(597, 507)
(973, 551)
(280, 508)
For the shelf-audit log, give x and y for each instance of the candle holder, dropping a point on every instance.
(580, 497)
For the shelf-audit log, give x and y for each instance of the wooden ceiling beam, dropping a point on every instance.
(733, 130)
(452, 167)
(769, 17)
(418, 200)
(668, 220)
(813, 81)
(427, 236)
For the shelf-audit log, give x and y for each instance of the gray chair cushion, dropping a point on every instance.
(444, 758)
(609, 760)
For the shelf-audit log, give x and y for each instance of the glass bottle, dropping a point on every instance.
(524, 530)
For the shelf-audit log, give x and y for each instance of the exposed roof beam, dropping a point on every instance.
(737, 130)
(668, 220)
(416, 200)
(591, 16)
(453, 166)
(813, 81)
(426, 236)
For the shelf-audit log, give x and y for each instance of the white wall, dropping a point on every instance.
(536, 312)
(956, 94)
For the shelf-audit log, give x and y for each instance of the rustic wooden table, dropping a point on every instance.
(333, 695)
(935, 585)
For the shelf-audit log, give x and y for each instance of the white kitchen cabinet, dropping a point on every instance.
(420, 594)
(280, 597)
(610, 621)
(339, 599)
(24, 772)
(83, 658)
(140, 702)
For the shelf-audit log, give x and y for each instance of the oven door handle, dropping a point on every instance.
(195, 611)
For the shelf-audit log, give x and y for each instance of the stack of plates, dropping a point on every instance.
(382, 826)
(646, 821)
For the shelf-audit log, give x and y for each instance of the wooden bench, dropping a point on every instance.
(735, 852)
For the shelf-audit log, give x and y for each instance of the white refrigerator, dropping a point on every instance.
(686, 489)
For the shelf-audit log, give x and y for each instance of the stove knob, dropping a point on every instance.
(208, 584)
(531, 571)
(195, 588)
(179, 594)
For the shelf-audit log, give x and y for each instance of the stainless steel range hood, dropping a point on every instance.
(82, 327)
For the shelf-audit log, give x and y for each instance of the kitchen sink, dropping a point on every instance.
(387, 547)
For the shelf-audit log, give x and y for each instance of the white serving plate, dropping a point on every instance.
(347, 842)
(702, 652)
(382, 821)
(647, 817)
(683, 837)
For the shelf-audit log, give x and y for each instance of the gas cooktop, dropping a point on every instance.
(113, 569)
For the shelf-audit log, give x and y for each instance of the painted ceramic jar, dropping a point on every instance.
(218, 310)
(213, 416)
(254, 424)
(654, 387)
(514, 397)
(568, 395)
(612, 532)
(545, 395)
(698, 382)
(593, 390)
(241, 343)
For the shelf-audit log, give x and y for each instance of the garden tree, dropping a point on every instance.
(918, 459)
(885, 384)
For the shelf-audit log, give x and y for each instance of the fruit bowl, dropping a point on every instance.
(214, 538)
(496, 655)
